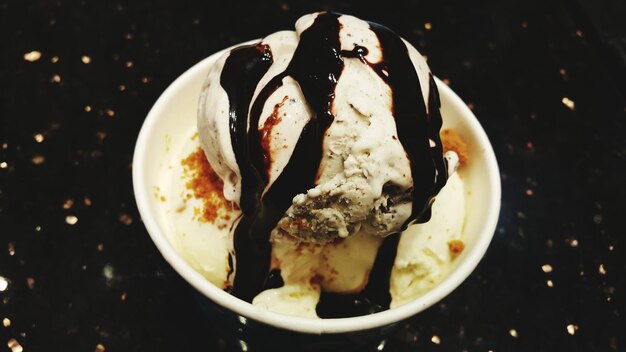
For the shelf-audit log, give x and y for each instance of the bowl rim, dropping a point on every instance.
(294, 323)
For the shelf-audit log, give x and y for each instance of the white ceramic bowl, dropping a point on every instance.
(169, 124)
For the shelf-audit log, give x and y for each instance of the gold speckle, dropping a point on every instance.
(30, 282)
(38, 228)
(87, 201)
(55, 79)
(446, 81)
(550, 283)
(54, 59)
(611, 247)
(601, 270)
(128, 36)
(597, 219)
(529, 192)
(571, 329)
(38, 159)
(4, 284)
(68, 203)
(87, 108)
(4, 165)
(101, 135)
(524, 24)
(71, 220)
(145, 80)
(100, 348)
(573, 242)
(471, 106)
(38, 137)
(435, 339)
(563, 72)
(122, 87)
(100, 247)
(569, 103)
(85, 59)
(513, 333)
(108, 272)
(428, 26)
(129, 64)
(6, 322)
(126, 219)
(123, 296)
(11, 248)
(547, 268)
(110, 113)
(579, 33)
(15, 346)
(32, 56)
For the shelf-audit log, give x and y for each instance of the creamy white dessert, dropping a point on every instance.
(324, 157)
(423, 259)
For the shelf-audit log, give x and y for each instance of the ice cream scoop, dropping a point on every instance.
(175, 216)
(320, 134)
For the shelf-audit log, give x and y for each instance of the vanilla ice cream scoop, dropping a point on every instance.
(320, 134)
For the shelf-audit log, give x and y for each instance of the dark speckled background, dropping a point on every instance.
(78, 271)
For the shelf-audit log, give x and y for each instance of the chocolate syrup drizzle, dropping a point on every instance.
(316, 65)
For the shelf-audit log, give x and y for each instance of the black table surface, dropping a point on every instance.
(78, 271)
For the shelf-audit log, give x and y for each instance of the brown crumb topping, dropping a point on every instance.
(316, 280)
(207, 186)
(452, 141)
(227, 286)
(456, 247)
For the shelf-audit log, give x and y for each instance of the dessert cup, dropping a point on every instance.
(167, 127)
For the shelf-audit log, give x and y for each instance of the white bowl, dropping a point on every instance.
(168, 125)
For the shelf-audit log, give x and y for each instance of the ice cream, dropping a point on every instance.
(327, 142)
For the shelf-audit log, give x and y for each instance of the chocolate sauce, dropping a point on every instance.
(414, 124)
(415, 127)
(274, 280)
(338, 305)
(435, 122)
(316, 65)
(359, 52)
(243, 69)
(374, 298)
